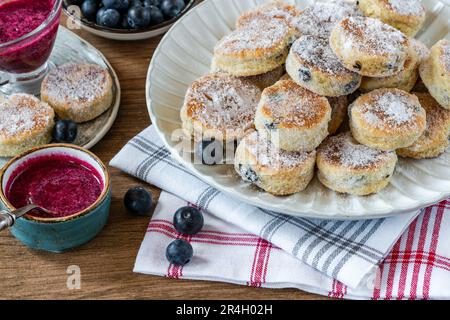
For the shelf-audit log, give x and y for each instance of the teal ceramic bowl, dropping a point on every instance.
(62, 233)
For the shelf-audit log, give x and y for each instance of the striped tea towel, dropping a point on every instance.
(416, 268)
(325, 253)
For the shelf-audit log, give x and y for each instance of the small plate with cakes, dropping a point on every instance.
(391, 156)
(81, 86)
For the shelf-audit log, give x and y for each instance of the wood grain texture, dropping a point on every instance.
(107, 261)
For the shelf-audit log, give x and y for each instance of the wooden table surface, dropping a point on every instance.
(106, 263)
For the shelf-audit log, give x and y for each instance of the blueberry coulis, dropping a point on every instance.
(60, 183)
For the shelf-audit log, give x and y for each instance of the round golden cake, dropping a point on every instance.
(347, 166)
(273, 10)
(434, 140)
(260, 46)
(403, 80)
(25, 122)
(78, 92)
(276, 171)
(312, 64)
(435, 73)
(319, 18)
(292, 117)
(219, 106)
(387, 119)
(407, 16)
(369, 47)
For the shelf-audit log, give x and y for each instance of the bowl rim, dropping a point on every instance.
(55, 12)
(103, 195)
(94, 26)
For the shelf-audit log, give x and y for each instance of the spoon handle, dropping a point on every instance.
(6, 220)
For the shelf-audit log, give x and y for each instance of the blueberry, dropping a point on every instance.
(116, 4)
(357, 66)
(270, 126)
(99, 14)
(172, 8)
(148, 3)
(65, 131)
(156, 16)
(138, 17)
(391, 66)
(89, 9)
(179, 252)
(305, 74)
(110, 18)
(351, 86)
(124, 23)
(134, 3)
(248, 173)
(188, 220)
(138, 201)
(210, 152)
(75, 2)
(251, 175)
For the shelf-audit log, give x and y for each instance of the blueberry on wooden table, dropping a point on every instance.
(65, 131)
(188, 220)
(138, 201)
(179, 252)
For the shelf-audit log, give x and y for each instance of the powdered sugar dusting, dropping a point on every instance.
(22, 113)
(261, 33)
(77, 84)
(446, 54)
(346, 151)
(320, 18)
(390, 109)
(289, 103)
(269, 155)
(407, 7)
(373, 36)
(220, 101)
(420, 49)
(274, 10)
(316, 52)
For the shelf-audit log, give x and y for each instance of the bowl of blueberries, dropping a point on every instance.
(127, 19)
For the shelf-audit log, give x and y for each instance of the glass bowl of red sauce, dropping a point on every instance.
(70, 182)
(28, 31)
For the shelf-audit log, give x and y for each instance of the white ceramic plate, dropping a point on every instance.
(184, 55)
